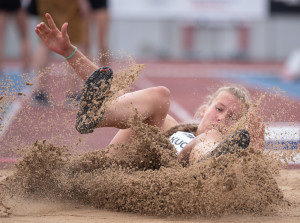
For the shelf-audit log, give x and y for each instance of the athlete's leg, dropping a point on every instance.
(151, 103)
(94, 110)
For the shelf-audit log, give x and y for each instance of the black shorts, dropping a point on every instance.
(98, 4)
(10, 5)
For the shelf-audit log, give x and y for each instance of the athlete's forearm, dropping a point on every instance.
(80, 63)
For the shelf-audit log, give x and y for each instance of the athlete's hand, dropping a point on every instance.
(56, 40)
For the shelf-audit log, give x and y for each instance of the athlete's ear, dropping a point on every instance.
(203, 110)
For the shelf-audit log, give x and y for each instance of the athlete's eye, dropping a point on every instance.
(219, 109)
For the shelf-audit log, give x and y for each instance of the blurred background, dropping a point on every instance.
(256, 30)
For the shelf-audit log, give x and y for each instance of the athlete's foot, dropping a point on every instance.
(94, 95)
(232, 144)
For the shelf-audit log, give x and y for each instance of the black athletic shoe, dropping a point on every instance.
(239, 140)
(232, 144)
(94, 94)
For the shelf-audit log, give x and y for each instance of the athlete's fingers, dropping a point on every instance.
(43, 28)
(40, 30)
(64, 29)
(51, 22)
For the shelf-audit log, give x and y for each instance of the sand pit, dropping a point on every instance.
(31, 210)
(151, 182)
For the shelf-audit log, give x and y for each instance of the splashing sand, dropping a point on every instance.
(151, 181)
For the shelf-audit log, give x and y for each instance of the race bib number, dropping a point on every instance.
(181, 139)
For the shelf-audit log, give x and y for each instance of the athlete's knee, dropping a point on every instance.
(162, 93)
(161, 99)
(160, 104)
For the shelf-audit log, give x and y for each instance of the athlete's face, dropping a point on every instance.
(224, 111)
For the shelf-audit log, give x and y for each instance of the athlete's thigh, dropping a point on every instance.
(169, 123)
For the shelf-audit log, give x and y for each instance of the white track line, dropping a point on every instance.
(11, 113)
(283, 132)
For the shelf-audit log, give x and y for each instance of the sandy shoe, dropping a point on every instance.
(239, 140)
(232, 144)
(94, 95)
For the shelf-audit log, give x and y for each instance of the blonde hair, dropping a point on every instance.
(238, 91)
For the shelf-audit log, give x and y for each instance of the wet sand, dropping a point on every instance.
(66, 211)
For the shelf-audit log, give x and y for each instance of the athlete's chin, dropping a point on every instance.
(212, 127)
(220, 128)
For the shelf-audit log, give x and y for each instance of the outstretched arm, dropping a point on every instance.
(58, 41)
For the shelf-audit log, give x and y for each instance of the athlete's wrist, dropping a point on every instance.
(68, 51)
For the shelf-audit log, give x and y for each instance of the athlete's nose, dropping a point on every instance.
(221, 117)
